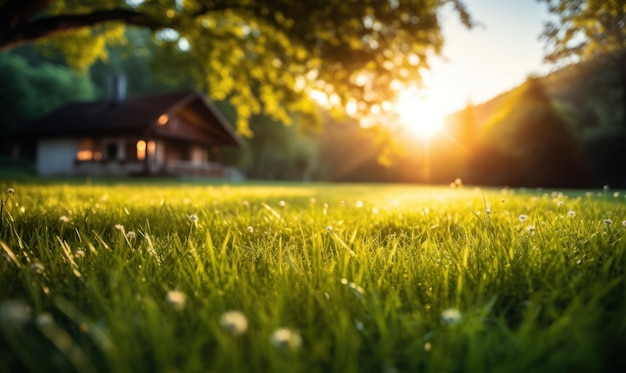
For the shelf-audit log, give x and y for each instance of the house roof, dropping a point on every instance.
(137, 116)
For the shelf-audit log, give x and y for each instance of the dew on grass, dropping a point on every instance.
(234, 323)
(286, 339)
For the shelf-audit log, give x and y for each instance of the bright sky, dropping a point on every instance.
(489, 59)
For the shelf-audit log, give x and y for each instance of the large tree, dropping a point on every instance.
(584, 29)
(263, 55)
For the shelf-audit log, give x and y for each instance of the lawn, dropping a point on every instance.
(310, 278)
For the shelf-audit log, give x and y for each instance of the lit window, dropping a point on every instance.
(151, 147)
(84, 155)
(163, 119)
(141, 150)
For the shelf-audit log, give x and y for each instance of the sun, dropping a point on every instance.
(420, 115)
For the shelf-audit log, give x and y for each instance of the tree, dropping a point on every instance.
(588, 28)
(263, 55)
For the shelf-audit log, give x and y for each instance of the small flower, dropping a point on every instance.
(531, 229)
(281, 203)
(64, 219)
(523, 217)
(175, 299)
(488, 211)
(10, 191)
(451, 316)
(119, 227)
(571, 213)
(329, 228)
(250, 229)
(14, 313)
(37, 268)
(131, 235)
(559, 203)
(234, 322)
(286, 339)
(193, 218)
(607, 222)
(359, 204)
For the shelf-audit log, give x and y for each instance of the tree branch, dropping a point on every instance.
(22, 32)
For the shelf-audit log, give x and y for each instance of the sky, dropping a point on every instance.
(480, 63)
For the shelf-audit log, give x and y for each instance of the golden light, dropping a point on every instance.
(141, 150)
(420, 115)
(163, 119)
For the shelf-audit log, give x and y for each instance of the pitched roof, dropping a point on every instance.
(135, 115)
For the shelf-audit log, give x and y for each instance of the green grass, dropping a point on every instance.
(369, 277)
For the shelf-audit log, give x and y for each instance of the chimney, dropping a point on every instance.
(116, 88)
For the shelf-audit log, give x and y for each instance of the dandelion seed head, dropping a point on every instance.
(64, 219)
(571, 213)
(531, 229)
(10, 191)
(359, 204)
(282, 203)
(176, 299)
(344, 281)
(488, 211)
(234, 322)
(523, 217)
(607, 222)
(559, 203)
(329, 228)
(79, 254)
(286, 339)
(451, 316)
(193, 218)
(131, 235)
(250, 229)
(624, 223)
(119, 227)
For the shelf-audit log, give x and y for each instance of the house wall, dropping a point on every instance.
(56, 156)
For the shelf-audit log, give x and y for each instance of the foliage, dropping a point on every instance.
(584, 29)
(529, 144)
(138, 278)
(28, 91)
(264, 56)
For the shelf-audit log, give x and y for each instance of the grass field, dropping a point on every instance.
(310, 278)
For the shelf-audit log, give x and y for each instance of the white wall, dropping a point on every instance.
(56, 157)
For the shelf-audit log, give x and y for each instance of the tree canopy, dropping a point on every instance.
(584, 29)
(264, 56)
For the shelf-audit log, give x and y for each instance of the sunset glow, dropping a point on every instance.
(421, 115)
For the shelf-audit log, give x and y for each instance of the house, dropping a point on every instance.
(177, 134)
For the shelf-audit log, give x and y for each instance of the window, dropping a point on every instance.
(141, 150)
(88, 151)
(110, 151)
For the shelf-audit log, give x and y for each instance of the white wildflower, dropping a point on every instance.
(10, 191)
(571, 213)
(531, 229)
(176, 299)
(282, 203)
(64, 219)
(14, 313)
(523, 217)
(131, 235)
(329, 228)
(193, 218)
(451, 316)
(250, 229)
(37, 268)
(359, 204)
(234, 322)
(607, 222)
(286, 339)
